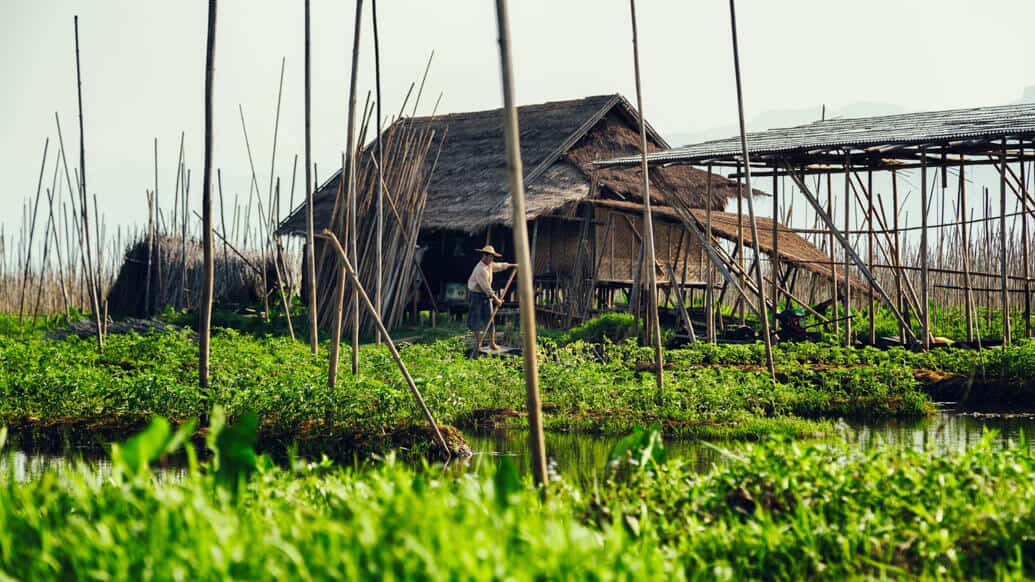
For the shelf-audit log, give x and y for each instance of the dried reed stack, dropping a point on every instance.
(407, 153)
(237, 277)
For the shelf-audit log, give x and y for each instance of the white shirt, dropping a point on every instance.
(481, 277)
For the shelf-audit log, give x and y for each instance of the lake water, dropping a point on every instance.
(580, 457)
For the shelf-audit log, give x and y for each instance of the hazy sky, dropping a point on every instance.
(143, 71)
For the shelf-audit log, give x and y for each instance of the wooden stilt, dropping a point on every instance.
(896, 210)
(847, 273)
(843, 240)
(710, 289)
(925, 291)
(968, 301)
(1005, 302)
(833, 259)
(775, 262)
(648, 222)
(1025, 250)
(871, 304)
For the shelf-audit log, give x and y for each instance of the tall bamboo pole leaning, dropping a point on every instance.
(526, 299)
(207, 282)
(310, 253)
(383, 332)
(762, 307)
(91, 278)
(351, 164)
(379, 194)
(653, 325)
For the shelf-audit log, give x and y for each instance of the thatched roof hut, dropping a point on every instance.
(468, 190)
(578, 245)
(237, 277)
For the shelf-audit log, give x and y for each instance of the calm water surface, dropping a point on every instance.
(580, 458)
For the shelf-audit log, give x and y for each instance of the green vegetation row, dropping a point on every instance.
(601, 388)
(777, 510)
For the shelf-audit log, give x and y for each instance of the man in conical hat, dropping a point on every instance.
(481, 296)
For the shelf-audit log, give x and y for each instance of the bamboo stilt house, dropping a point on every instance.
(584, 248)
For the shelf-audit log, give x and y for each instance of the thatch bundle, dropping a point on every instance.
(166, 262)
(409, 154)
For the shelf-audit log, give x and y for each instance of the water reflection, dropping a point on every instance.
(581, 458)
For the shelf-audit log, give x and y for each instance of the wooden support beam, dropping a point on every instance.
(800, 182)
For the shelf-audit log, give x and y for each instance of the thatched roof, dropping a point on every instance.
(468, 189)
(237, 278)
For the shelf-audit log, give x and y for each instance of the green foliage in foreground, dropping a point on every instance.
(777, 510)
(586, 387)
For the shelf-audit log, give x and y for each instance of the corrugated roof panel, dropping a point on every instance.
(899, 129)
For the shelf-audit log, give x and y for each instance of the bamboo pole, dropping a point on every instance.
(347, 267)
(352, 193)
(800, 182)
(710, 289)
(762, 307)
(847, 273)
(899, 301)
(833, 259)
(32, 232)
(925, 298)
(537, 448)
(871, 304)
(379, 191)
(310, 253)
(90, 275)
(740, 236)
(150, 253)
(1002, 246)
(1025, 250)
(968, 307)
(207, 283)
(339, 298)
(653, 322)
(775, 263)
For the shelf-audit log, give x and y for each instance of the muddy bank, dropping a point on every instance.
(313, 439)
(988, 393)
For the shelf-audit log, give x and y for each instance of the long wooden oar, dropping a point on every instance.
(495, 309)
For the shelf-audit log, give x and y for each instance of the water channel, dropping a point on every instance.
(581, 457)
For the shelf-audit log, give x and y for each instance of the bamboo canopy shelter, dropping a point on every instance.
(585, 234)
(935, 145)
